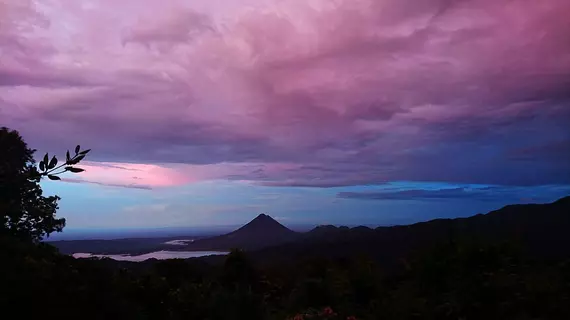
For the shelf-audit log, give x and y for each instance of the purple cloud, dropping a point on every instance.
(297, 94)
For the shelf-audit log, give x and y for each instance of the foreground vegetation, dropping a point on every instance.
(451, 281)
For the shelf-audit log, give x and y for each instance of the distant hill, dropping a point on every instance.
(261, 232)
(115, 246)
(541, 230)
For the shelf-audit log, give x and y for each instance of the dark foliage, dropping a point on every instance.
(459, 280)
(24, 211)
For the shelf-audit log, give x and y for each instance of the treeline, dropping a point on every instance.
(448, 281)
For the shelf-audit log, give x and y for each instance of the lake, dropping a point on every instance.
(160, 255)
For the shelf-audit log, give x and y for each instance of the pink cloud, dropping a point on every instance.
(133, 174)
(344, 92)
(149, 176)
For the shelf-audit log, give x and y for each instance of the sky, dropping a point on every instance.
(209, 112)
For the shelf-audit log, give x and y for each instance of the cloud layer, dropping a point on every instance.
(477, 193)
(313, 93)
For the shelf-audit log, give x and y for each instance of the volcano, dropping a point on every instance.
(261, 232)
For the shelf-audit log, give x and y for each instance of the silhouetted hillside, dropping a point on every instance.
(538, 229)
(261, 232)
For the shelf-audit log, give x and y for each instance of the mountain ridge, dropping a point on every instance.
(541, 230)
(543, 224)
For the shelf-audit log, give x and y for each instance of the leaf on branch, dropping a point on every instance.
(67, 156)
(74, 170)
(52, 163)
(42, 166)
(84, 152)
(52, 177)
(76, 160)
(46, 160)
(77, 149)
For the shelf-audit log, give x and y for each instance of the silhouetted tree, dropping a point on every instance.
(239, 271)
(24, 211)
